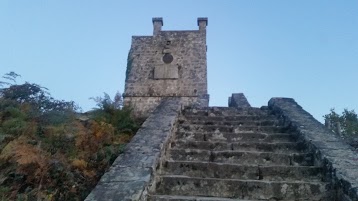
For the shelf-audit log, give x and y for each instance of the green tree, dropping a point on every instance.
(113, 112)
(34, 100)
(345, 123)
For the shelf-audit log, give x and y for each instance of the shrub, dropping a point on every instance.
(50, 146)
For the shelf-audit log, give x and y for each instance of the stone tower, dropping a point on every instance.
(167, 64)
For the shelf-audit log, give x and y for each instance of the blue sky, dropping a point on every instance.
(306, 50)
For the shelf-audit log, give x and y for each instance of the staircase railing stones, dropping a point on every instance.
(130, 174)
(338, 159)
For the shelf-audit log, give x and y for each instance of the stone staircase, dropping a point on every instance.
(237, 154)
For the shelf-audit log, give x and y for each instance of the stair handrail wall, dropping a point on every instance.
(340, 162)
(129, 177)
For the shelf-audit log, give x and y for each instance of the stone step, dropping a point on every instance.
(235, 171)
(233, 129)
(222, 111)
(188, 198)
(231, 123)
(229, 118)
(276, 147)
(242, 189)
(236, 137)
(242, 157)
(200, 198)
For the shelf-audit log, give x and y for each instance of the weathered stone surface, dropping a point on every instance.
(275, 147)
(242, 157)
(130, 174)
(192, 117)
(339, 160)
(243, 189)
(144, 105)
(167, 64)
(238, 100)
(189, 198)
(242, 171)
(237, 137)
(165, 72)
(227, 123)
(114, 191)
(230, 128)
(238, 154)
(230, 112)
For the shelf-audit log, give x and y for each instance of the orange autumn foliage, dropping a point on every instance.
(50, 152)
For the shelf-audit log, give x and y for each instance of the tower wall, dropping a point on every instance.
(167, 64)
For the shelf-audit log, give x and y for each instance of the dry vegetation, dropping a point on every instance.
(49, 151)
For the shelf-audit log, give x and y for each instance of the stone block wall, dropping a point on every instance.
(167, 64)
(340, 162)
(145, 105)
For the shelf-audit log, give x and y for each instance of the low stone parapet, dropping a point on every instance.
(130, 174)
(338, 159)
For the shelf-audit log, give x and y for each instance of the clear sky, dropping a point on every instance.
(306, 50)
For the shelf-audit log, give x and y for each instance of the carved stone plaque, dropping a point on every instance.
(166, 72)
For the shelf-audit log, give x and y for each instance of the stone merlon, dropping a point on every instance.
(157, 25)
(202, 23)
